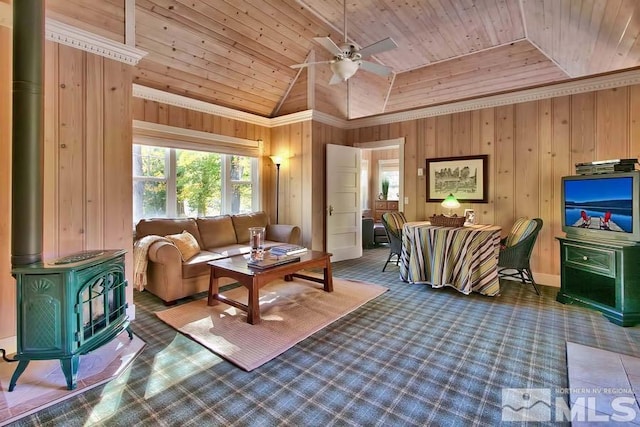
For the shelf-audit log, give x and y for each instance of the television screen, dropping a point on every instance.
(604, 203)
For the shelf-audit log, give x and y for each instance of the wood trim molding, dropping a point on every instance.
(69, 35)
(151, 94)
(609, 81)
(156, 130)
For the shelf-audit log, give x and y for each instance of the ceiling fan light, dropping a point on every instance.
(345, 68)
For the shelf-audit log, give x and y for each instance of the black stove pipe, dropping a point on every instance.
(27, 141)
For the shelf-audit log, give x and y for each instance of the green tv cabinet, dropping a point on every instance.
(603, 275)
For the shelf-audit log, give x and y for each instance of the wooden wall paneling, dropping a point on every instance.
(410, 177)
(546, 242)
(118, 187)
(239, 129)
(163, 114)
(51, 198)
(71, 151)
(444, 143)
(294, 163)
(409, 130)
(485, 212)
(151, 111)
(430, 151)
(504, 167)
(282, 145)
(561, 157)
(612, 127)
(177, 116)
(634, 121)
(194, 120)
(7, 285)
(318, 207)
(307, 196)
(207, 123)
(526, 156)
(269, 187)
(227, 126)
(583, 128)
(95, 165)
(461, 134)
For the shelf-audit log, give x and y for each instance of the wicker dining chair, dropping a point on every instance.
(393, 223)
(516, 251)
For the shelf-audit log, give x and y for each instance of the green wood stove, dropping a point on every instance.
(69, 307)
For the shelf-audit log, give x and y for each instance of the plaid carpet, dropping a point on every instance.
(413, 356)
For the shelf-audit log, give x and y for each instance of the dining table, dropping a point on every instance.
(464, 258)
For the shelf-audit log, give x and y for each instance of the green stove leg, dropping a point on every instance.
(70, 369)
(19, 370)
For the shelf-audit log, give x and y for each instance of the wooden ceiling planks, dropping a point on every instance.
(237, 53)
(105, 18)
(500, 69)
(586, 37)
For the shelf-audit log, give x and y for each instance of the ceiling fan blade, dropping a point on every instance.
(328, 44)
(378, 47)
(306, 64)
(381, 70)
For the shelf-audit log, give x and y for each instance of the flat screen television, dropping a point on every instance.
(603, 206)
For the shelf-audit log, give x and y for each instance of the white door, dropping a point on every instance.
(344, 220)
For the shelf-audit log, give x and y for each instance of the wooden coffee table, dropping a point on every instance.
(254, 279)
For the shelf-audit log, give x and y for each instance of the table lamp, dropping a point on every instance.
(450, 203)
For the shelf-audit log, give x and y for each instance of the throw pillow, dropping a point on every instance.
(186, 244)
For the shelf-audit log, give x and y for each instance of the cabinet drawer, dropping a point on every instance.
(381, 205)
(392, 206)
(597, 260)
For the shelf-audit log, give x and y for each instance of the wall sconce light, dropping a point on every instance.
(277, 160)
(450, 202)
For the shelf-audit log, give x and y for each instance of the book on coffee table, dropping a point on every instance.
(288, 249)
(268, 261)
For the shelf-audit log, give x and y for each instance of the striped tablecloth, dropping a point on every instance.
(465, 258)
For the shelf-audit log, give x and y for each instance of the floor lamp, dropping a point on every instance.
(277, 160)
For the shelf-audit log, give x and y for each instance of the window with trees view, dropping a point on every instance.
(172, 182)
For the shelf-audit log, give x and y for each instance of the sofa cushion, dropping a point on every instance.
(164, 226)
(242, 222)
(197, 266)
(216, 231)
(186, 244)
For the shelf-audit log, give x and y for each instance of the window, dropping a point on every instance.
(172, 182)
(391, 170)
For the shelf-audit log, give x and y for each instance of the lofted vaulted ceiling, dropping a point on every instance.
(237, 53)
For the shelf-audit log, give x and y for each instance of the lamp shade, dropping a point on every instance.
(277, 160)
(450, 202)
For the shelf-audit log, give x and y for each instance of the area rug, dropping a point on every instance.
(290, 312)
(43, 383)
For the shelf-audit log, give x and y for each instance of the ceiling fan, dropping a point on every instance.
(347, 58)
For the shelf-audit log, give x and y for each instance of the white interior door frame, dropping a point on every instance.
(390, 143)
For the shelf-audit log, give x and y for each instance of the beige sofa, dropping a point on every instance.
(171, 278)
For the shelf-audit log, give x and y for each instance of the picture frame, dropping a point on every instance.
(470, 216)
(466, 177)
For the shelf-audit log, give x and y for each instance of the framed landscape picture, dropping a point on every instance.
(466, 177)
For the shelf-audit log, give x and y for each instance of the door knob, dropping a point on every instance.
(330, 210)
